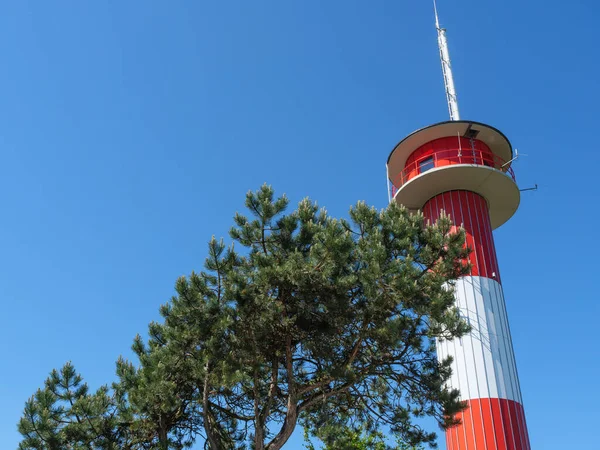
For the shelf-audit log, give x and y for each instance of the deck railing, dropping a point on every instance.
(444, 158)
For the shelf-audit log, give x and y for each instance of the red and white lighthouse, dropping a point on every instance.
(464, 168)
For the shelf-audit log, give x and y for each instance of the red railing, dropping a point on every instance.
(443, 158)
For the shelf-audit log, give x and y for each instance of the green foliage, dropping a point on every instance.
(309, 321)
(64, 415)
(346, 438)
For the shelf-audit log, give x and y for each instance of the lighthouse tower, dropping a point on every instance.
(464, 168)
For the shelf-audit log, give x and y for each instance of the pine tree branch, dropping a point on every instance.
(39, 434)
(308, 403)
(272, 390)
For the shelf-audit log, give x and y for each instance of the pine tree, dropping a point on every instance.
(64, 415)
(354, 438)
(304, 320)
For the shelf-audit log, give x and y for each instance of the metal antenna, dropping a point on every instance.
(446, 68)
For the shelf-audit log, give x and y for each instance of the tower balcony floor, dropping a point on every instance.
(483, 174)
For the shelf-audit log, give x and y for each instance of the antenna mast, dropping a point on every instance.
(446, 68)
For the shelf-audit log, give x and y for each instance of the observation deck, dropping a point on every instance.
(455, 155)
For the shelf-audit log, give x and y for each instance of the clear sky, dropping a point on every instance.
(131, 130)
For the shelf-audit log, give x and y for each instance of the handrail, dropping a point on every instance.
(444, 158)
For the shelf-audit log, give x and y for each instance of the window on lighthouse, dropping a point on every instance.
(426, 164)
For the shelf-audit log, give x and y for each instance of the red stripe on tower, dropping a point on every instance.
(469, 210)
(503, 428)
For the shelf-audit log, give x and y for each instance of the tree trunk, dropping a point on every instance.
(213, 440)
(291, 417)
(163, 439)
(289, 425)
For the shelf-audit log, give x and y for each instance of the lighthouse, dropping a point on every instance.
(464, 168)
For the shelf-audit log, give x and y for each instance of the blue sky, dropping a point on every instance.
(130, 132)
